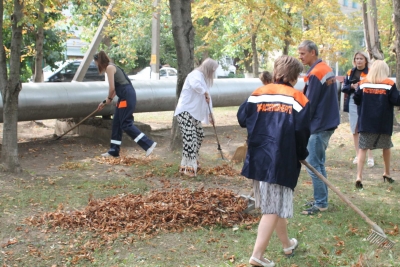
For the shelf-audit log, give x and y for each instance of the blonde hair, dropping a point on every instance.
(378, 72)
(287, 69)
(208, 68)
(365, 55)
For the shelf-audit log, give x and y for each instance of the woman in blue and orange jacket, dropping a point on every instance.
(277, 118)
(350, 84)
(376, 96)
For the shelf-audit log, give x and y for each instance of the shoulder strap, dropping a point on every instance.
(126, 76)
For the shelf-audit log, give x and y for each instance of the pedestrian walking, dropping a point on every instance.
(350, 84)
(375, 97)
(278, 125)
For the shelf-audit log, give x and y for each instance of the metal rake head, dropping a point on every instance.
(380, 239)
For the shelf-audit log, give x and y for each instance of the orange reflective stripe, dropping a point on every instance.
(123, 104)
(320, 70)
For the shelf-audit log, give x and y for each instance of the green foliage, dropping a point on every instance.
(53, 46)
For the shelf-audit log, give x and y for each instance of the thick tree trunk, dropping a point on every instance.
(396, 21)
(183, 33)
(255, 54)
(370, 19)
(10, 93)
(39, 44)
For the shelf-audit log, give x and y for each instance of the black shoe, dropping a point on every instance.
(389, 179)
(359, 185)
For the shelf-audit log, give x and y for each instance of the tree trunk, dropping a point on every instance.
(3, 59)
(396, 22)
(288, 33)
(255, 54)
(371, 29)
(39, 44)
(183, 33)
(10, 92)
(247, 61)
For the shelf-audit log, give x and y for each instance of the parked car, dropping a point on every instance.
(67, 71)
(165, 73)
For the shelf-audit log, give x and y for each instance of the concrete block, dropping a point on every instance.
(100, 129)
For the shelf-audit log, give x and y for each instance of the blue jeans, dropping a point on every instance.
(317, 145)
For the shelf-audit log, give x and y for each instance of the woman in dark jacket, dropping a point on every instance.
(376, 96)
(277, 119)
(350, 84)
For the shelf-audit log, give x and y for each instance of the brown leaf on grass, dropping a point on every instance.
(324, 250)
(224, 169)
(126, 161)
(232, 258)
(340, 242)
(360, 262)
(11, 241)
(146, 216)
(353, 230)
(394, 231)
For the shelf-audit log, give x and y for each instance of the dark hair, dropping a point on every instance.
(287, 69)
(102, 60)
(266, 77)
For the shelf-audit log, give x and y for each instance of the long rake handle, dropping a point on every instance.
(344, 198)
(215, 131)
(79, 123)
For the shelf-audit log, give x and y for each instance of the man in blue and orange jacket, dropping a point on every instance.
(321, 91)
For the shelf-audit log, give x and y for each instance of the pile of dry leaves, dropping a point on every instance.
(147, 215)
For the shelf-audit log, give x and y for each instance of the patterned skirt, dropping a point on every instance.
(374, 141)
(192, 137)
(274, 199)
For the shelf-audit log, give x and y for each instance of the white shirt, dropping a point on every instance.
(192, 98)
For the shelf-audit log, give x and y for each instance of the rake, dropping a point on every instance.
(79, 123)
(377, 235)
(215, 131)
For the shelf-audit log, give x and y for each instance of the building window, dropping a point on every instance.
(345, 2)
(354, 4)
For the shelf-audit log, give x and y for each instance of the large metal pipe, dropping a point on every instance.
(40, 101)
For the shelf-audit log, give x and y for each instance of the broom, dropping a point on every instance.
(377, 235)
(240, 153)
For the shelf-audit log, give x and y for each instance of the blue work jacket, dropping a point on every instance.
(277, 118)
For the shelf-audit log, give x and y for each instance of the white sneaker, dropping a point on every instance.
(355, 160)
(108, 155)
(370, 162)
(150, 150)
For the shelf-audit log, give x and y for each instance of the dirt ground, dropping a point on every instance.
(41, 154)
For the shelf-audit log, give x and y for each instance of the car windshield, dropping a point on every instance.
(144, 72)
(47, 68)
